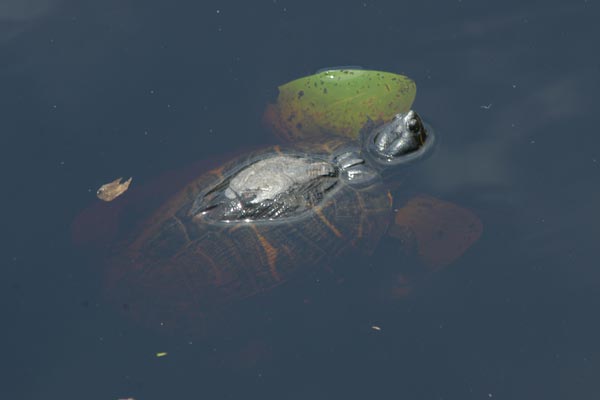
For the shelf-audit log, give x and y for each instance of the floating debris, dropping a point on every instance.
(161, 354)
(112, 190)
(376, 328)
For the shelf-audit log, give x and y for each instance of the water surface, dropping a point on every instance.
(95, 91)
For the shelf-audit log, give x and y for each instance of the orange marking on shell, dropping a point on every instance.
(277, 149)
(327, 223)
(218, 172)
(328, 147)
(237, 226)
(390, 198)
(270, 252)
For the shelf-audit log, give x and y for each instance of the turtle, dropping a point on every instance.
(261, 220)
(271, 217)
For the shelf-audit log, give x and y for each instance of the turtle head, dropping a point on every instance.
(401, 140)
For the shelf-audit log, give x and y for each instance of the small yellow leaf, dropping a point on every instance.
(112, 190)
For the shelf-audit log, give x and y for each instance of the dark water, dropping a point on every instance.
(95, 90)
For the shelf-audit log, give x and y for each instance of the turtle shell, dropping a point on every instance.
(181, 269)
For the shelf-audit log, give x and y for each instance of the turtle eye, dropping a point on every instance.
(413, 125)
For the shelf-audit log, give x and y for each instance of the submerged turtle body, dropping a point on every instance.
(262, 220)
